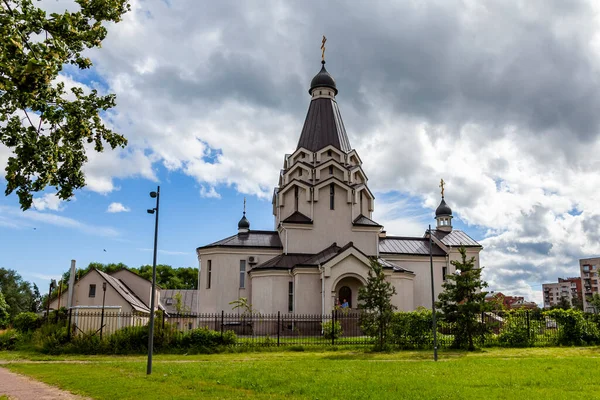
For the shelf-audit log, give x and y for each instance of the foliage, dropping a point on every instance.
(577, 303)
(375, 299)
(26, 322)
(243, 304)
(47, 128)
(180, 306)
(16, 291)
(169, 277)
(4, 315)
(332, 330)
(594, 301)
(515, 330)
(463, 302)
(574, 329)
(413, 329)
(563, 304)
(9, 339)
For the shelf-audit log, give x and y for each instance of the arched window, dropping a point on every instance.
(331, 196)
(331, 170)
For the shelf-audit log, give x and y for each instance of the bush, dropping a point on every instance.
(26, 322)
(50, 338)
(412, 329)
(9, 339)
(573, 328)
(332, 331)
(515, 332)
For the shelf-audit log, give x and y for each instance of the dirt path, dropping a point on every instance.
(20, 387)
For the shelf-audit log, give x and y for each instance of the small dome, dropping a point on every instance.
(323, 79)
(443, 209)
(244, 223)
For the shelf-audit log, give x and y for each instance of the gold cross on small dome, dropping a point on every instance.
(323, 48)
(442, 184)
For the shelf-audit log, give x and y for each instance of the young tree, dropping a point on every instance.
(594, 301)
(17, 292)
(4, 315)
(376, 300)
(46, 128)
(563, 304)
(463, 301)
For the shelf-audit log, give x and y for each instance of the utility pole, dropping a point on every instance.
(154, 195)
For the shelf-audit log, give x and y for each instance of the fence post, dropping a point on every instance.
(222, 322)
(528, 325)
(69, 326)
(278, 326)
(333, 327)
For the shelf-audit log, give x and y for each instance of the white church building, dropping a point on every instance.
(324, 237)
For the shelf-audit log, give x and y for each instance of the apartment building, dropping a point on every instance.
(569, 288)
(589, 276)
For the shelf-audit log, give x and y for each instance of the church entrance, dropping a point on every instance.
(347, 289)
(345, 295)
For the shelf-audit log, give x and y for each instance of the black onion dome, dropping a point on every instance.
(323, 79)
(443, 209)
(244, 223)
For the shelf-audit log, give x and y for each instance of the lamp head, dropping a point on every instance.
(153, 195)
(150, 211)
(104, 286)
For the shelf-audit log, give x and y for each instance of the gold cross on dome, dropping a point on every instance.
(442, 184)
(323, 48)
(244, 206)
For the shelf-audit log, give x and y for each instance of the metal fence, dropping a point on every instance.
(529, 328)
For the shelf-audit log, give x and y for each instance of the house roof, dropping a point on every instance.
(189, 300)
(323, 126)
(124, 291)
(455, 238)
(298, 218)
(361, 220)
(264, 239)
(409, 246)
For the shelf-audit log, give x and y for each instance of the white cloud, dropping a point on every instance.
(117, 208)
(210, 193)
(15, 218)
(48, 201)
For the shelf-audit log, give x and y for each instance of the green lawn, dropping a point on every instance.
(538, 373)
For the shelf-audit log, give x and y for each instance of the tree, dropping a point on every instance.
(4, 315)
(594, 301)
(46, 127)
(577, 303)
(180, 305)
(563, 304)
(36, 300)
(463, 301)
(376, 300)
(17, 292)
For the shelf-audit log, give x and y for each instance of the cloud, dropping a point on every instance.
(210, 193)
(498, 98)
(117, 208)
(15, 218)
(48, 201)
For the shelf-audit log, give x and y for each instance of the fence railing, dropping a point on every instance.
(336, 328)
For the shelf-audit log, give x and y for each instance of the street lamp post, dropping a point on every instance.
(154, 195)
(103, 300)
(434, 322)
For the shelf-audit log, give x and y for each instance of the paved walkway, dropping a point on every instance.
(23, 388)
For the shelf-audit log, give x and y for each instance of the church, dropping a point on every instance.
(319, 254)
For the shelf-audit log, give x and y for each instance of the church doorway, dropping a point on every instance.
(345, 294)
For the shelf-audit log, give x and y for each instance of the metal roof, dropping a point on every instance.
(455, 238)
(268, 239)
(408, 245)
(389, 264)
(189, 300)
(323, 127)
(124, 291)
(364, 221)
(298, 218)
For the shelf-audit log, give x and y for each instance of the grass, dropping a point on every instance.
(548, 373)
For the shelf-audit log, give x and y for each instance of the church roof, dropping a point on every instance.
(408, 246)
(288, 261)
(298, 218)
(265, 239)
(323, 127)
(361, 220)
(443, 209)
(323, 79)
(395, 267)
(455, 238)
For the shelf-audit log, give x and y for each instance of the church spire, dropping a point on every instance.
(244, 224)
(443, 214)
(323, 125)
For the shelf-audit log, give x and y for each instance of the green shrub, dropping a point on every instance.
(50, 338)
(412, 329)
(332, 331)
(9, 339)
(515, 333)
(26, 322)
(573, 328)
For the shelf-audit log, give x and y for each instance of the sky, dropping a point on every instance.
(499, 98)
